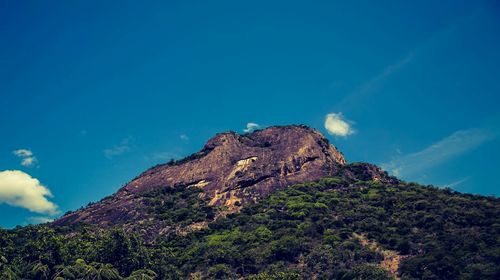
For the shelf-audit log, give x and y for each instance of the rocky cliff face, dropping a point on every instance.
(231, 169)
(234, 168)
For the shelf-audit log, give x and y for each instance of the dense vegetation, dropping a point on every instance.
(306, 231)
(179, 206)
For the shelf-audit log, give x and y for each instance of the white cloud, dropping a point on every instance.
(23, 153)
(336, 125)
(27, 156)
(184, 137)
(251, 127)
(29, 161)
(445, 149)
(117, 150)
(20, 189)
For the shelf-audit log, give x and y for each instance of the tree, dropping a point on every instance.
(116, 248)
(106, 272)
(8, 274)
(220, 271)
(142, 274)
(40, 271)
(367, 271)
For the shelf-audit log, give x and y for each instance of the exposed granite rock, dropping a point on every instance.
(231, 169)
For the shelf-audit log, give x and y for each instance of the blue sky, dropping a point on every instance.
(94, 93)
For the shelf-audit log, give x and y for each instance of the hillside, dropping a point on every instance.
(314, 216)
(326, 230)
(231, 169)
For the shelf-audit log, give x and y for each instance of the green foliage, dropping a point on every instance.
(220, 271)
(8, 274)
(39, 271)
(363, 272)
(179, 206)
(282, 275)
(302, 232)
(142, 274)
(124, 251)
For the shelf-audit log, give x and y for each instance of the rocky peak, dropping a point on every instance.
(231, 169)
(229, 161)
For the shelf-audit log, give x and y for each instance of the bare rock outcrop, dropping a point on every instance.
(231, 169)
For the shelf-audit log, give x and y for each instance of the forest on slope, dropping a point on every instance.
(329, 229)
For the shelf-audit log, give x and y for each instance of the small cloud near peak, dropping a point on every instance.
(251, 127)
(23, 153)
(27, 157)
(336, 125)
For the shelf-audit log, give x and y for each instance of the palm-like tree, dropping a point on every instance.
(5, 271)
(106, 272)
(8, 274)
(84, 270)
(142, 274)
(80, 270)
(40, 271)
(64, 272)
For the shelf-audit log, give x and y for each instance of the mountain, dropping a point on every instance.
(278, 203)
(232, 170)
